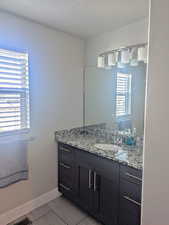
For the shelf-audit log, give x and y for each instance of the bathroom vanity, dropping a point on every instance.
(106, 184)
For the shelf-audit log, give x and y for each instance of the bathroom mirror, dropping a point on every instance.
(115, 96)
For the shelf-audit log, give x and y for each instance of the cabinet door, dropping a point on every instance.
(85, 184)
(109, 198)
(107, 185)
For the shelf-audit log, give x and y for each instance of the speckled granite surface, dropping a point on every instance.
(85, 139)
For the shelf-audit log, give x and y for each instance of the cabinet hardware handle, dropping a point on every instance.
(65, 166)
(66, 188)
(95, 177)
(132, 176)
(64, 149)
(90, 183)
(131, 200)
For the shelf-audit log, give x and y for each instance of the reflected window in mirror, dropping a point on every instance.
(123, 95)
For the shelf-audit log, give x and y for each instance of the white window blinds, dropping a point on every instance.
(14, 91)
(123, 94)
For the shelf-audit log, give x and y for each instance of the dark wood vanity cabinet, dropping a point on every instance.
(105, 189)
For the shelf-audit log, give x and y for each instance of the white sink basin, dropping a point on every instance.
(108, 147)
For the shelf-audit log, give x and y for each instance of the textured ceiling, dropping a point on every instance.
(84, 18)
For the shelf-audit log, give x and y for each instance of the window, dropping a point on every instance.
(14, 91)
(123, 95)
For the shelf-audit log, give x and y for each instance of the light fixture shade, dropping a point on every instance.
(142, 54)
(130, 55)
(112, 58)
(134, 57)
(125, 56)
(101, 62)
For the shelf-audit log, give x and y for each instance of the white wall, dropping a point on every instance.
(131, 34)
(156, 157)
(56, 99)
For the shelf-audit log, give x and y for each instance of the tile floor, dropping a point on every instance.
(60, 212)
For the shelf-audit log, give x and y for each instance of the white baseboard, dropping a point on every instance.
(24, 209)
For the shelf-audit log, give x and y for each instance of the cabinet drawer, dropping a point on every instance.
(66, 174)
(65, 189)
(66, 154)
(130, 190)
(129, 212)
(131, 174)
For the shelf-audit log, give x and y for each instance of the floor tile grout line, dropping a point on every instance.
(51, 210)
(48, 213)
(64, 220)
(59, 217)
(39, 216)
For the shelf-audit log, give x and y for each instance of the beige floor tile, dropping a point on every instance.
(37, 213)
(67, 211)
(49, 219)
(89, 221)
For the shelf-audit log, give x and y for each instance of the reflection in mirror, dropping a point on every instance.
(115, 95)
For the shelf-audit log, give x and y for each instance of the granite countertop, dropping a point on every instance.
(86, 140)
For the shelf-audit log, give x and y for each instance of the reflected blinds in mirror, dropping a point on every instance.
(123, 94)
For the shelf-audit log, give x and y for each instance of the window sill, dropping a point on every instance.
(23, 135)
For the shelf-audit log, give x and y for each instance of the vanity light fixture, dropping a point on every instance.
(131, 55)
